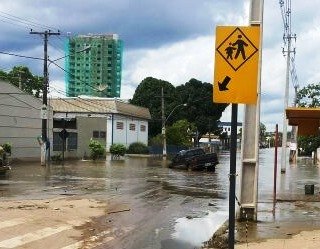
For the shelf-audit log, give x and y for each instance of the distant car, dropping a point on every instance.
(195, 159)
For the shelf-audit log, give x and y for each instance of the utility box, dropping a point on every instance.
(309, 189)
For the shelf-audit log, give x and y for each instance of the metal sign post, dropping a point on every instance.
(232, 175)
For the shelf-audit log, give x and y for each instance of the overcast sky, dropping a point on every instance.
(169, 40)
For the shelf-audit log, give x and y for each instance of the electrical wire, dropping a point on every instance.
(22, 56)
(25, 21)
(86, 84)
(286, 10)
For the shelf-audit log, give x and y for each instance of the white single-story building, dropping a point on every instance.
(20, 122)
(108, 120)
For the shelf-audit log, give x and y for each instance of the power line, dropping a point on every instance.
(53, 62)
(25, 21)
(22, 56)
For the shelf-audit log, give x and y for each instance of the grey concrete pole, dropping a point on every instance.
(164, 149)
(250, 136)
(285, 121)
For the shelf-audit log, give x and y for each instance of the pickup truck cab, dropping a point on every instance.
(195, 159)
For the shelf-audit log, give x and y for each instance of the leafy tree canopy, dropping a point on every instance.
(180, 133)
(309, 96)
(21, 76)
(200, 109)
(148, 94)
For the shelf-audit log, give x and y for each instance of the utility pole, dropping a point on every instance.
(287, 37)
(164, 149)
(250, 135)
(45, 85)
(20, 81)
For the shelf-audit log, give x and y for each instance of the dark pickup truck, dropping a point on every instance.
(195, 159)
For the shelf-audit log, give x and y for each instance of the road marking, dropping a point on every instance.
(37, 235)
(30, 237)
(92, 239)
(98, 238)
(13, 222)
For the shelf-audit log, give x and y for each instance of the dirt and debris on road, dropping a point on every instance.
(51, 223)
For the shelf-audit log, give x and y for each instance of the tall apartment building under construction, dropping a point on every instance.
(93, 65)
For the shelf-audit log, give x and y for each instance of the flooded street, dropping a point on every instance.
(160, 207)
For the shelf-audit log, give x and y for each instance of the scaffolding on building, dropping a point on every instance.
(95, 72)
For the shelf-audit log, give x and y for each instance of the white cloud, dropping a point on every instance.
(176, 63)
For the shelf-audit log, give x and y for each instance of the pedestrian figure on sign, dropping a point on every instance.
(229, 51)
(241, 44)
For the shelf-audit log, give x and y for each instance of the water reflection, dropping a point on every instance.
(196, 230)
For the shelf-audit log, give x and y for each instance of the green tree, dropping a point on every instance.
(309, 96)
(148, 94)
(200, 107)
(3, 75)
(21, 76)
(308, 144)
(180, 133)
(263, 130)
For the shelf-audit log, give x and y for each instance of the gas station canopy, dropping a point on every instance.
(307, 119)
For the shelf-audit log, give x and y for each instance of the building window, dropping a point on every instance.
(132, 127)
(143, 128)
(95, 134)
(119, 125)
(72, 141)
(102, 134)
(57, 142)
(65, 123)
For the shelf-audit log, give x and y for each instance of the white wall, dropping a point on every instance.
(20, 122)
(85, 127)
(125, 135)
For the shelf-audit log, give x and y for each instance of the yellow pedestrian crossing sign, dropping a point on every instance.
(236, 64)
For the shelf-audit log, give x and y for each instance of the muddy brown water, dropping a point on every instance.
(168, 208)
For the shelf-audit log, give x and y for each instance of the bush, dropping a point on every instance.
(138, 148)
(7, 148)
(97, 150)
(118, 149)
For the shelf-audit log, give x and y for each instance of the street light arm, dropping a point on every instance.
(78, 51)
(164, 123)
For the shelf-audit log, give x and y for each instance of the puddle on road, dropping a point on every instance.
(195, 231)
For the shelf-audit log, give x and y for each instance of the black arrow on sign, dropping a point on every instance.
(223, 85)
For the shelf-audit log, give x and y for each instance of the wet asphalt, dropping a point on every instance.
(170, 208)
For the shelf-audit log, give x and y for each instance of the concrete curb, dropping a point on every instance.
(219, 239)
